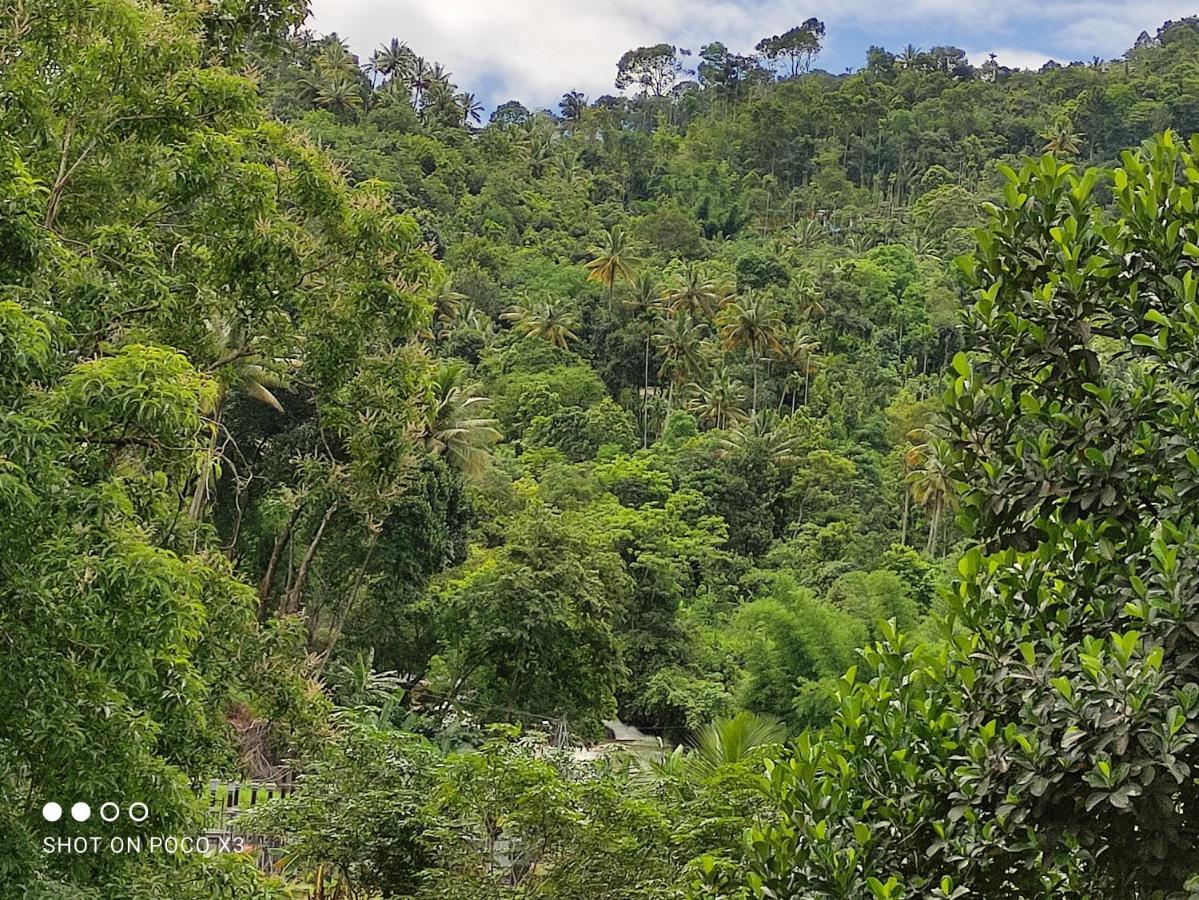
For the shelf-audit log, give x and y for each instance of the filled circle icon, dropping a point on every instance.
(51, 812)
(81, 812)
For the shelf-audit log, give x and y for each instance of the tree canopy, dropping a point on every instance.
(630, 499)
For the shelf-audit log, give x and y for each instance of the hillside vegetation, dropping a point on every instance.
(836, 431)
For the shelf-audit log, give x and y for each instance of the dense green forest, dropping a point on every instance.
(837, 432)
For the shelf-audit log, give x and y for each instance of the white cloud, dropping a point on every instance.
(536, 49)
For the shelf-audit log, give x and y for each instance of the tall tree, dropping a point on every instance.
(797, 348)
(572, 105)
(929, 479)
(680, 339)
(795, 48)
(654, 69)
(612, 260)
(394, 59)
(472, 109)
(548, 320)
(643, 300)
(719, 402)
(454, 424)
(692, 290)
(750, 322)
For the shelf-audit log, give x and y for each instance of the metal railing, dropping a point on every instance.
(227, 800)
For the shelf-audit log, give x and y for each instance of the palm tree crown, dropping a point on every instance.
(719, 403)
(929, 464)
(692, 290)
(545, 319)
(612, 260)
(454, 426)
(393, 59)
(751, 322)
(680, 339)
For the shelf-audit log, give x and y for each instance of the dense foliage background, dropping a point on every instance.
(349, 441)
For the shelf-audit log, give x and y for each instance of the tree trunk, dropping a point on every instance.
(754, 368)
(931, 546)
(291, 600)
(351, 602)
(903, 528)
(268, 577)
(645, 399)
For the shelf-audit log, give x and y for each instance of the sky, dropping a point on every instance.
(535, 50)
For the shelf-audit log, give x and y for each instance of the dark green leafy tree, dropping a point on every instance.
(794, 49)
(1071, 655)
(529, 625)
(654, 69)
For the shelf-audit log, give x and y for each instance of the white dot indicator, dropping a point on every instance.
(109, 811)
(51, 812)
(138, 811)
(81, 812)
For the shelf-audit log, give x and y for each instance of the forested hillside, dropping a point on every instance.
(835, 431)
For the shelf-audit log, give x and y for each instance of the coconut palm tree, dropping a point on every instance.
(750, 322)
(419, 79)
(539, 153)
(809, 299)
(472, 109)
(439, 75)
(680, 339)
(394, 90)
(372, 66)
(545, 319)
(440, 104)
(454, 426)
(859, 243)
(803, 234)
(643, 296)
(334, 57)
(478, 321)
(447, 307)
(720, 402)
(929, 465)
(765, 430)
(642, 299)
(569, 168)
(922, 242)
(236, 367)
(692, 290)
(391, 60)
(612, 260)
(339, 93)
(796, 348)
